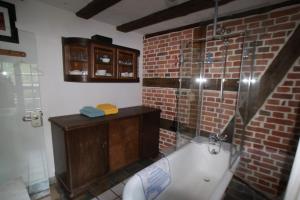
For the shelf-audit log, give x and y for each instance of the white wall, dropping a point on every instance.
(293, 189)
(49, 24)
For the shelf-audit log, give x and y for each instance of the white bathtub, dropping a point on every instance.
(195, 174)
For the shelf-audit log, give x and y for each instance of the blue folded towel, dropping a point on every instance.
(90, 111)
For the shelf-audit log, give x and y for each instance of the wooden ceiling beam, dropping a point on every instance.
(170, 13)
(94, 7)
(227, 17)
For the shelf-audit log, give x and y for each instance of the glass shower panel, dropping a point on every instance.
(22, 147)
(188, 92)
(245, 82)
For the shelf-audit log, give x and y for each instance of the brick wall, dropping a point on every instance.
(272, 134)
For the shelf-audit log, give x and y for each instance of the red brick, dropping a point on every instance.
(268, 22)
(275, 41)
(273, 101)
(280, 27)
(280, 121)
(295, 17)
(277, 145)
(278, 115)
(282, 96)
(257, 129)
(233, 23)
(282, 19)
(278, 108)
(296, 90)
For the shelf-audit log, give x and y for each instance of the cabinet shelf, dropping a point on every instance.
(76, 50)
(79, 61)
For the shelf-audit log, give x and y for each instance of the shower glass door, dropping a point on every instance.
(188, 94)
(22, 147)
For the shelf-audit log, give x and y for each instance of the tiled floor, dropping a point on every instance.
(237, 190)
(114, 193)
(110, 188)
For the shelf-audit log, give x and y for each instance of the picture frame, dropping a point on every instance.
(8, 30)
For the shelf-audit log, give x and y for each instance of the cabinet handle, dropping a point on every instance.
(103, 145)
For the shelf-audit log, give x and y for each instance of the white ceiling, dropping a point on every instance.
(128, 10)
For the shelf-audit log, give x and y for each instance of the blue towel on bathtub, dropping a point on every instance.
(155, 178)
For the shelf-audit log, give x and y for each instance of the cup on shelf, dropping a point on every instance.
(101, 72)
(130, 74)
(84, 72)
(108, 74)
(124, 74)
(75, 72)
(105, 60)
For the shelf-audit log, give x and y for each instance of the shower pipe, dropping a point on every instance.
(224, 70)
(176, 123)
(216, 18)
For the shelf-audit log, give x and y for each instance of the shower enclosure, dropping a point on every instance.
(22, 147)
(215, 77)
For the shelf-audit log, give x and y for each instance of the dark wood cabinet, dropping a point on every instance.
(150, 134)
(123, 142)
(126, 64)
(86, 149)
(86, 60)
(76, 53)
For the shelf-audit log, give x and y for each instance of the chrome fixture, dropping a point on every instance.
(216, 18)
(215, 143)
(209, 58)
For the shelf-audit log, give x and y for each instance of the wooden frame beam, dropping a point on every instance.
(94, 7)
(170, 13)
(228, 17)
(6, 52)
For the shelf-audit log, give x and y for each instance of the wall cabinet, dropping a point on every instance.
(86, 149)
(87, 60)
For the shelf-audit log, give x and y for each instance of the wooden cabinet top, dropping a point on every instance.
(70, 122)
(85, 41)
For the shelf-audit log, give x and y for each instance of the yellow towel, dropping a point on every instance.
(107, 108)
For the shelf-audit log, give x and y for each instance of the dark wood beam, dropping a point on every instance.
(260, 91)
(6, 52)
(170, 13)
(190, 83)
(94, 7)
(228, 17)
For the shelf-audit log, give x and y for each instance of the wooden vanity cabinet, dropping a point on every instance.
(80, 155)
(150, 134)
(86, 149)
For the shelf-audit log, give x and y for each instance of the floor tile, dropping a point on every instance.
(126, 180)
(118, 189)
(108, 195)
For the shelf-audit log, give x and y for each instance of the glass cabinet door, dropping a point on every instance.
(76, 59)
(126, 64)
(103, 64)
